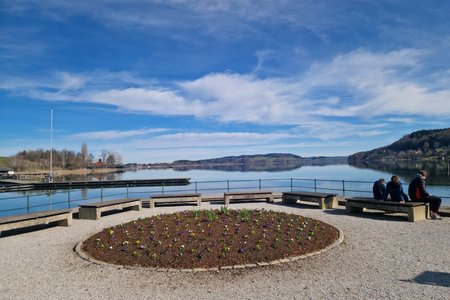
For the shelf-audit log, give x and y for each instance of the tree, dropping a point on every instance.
(111, 160)
(84, 155)
(104, 154)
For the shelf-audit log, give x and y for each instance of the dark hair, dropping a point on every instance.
(423, 173)
(395, 179)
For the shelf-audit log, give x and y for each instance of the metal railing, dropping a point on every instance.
(31, 201)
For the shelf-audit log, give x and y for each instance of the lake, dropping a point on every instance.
(342, 179)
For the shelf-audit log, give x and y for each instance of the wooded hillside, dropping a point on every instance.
(419, 145)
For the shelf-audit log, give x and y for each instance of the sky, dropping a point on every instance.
(158, 81)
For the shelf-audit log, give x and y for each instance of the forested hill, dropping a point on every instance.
(422, 144)
(270, 161)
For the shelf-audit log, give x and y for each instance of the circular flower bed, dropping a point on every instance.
(210, 238)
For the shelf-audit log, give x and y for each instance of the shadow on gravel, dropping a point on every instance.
(298, 205)
(432, 278)
(374, 215)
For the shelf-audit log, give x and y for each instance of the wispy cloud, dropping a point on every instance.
(360, 84)
(115, 134)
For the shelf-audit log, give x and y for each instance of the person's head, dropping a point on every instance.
(395, 179)
(423, 174)
(381, 180)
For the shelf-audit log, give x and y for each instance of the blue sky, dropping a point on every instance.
(165, 80)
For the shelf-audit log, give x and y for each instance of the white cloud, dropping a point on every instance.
(359, 85)
(115, 134)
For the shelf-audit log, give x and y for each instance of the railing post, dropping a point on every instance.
(228, 185)
(127, 190)
(28, 203)
(315, 185)
(196, 186)
(101, 194)
(162, 188)
(68, 198)
(291, 185)
(259, 184)
(343, 188)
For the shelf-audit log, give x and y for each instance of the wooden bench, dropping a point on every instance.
(247, 195)
(92, 211)
(416, 211)
(176, 198)
(60, 217)
(324, 200)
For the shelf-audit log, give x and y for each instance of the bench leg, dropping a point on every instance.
(351, 209)
(331, 202)
(199, 201)
(89, 213)
(322, 203)
(65, 222)
(269, 199)
(152, 203)
(288, 200)
(227, 200)
(417, 213)
(136, 207)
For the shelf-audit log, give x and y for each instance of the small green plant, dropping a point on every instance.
(211, 215)
(224, 210)
(244, 215)
(196, 214)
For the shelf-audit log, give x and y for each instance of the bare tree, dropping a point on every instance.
(84, 155)
(104, 154)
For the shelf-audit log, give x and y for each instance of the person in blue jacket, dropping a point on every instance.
(395, 190)
(379, 189)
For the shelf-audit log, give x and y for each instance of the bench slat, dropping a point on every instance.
(310, 194)
(162, 196)
(109, 202)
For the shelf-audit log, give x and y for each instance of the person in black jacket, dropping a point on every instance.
(417, 192)
(395, 190)
(379, 190)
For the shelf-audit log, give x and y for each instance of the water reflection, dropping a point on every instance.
(438, 172)
(90, 177)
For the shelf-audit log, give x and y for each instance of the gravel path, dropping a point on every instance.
(382, 257)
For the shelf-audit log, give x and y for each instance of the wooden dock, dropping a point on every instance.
(11, 187)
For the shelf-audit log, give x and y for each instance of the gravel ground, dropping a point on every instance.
(381, 257)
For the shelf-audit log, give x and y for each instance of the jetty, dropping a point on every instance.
(18, 185)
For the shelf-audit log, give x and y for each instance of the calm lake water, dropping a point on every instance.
(341, 179)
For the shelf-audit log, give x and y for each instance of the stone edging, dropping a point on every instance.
(85, 256)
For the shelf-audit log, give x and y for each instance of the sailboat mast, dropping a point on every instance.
(51, 141)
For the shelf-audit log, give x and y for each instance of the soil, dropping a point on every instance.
(210, 238)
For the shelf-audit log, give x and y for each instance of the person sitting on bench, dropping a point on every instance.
(395, 190)
(379, 190)
(417, 192)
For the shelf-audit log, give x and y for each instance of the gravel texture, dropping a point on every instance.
(381, 257)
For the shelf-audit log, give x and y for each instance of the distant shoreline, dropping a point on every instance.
(63, 172)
